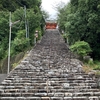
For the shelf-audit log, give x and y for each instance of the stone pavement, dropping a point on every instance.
(49, 72)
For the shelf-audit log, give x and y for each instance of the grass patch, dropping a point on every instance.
(95, 65)
(87, 68)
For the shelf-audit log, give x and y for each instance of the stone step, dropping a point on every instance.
(25, 89)
(65, 85)
(50, 77)
(52, 81)
(49, 74)
(72, 90)
(42, 85)
(51, 98)
(25, 93)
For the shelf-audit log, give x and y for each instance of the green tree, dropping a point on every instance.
(12, 5)
(34, 18)
(4, 33)
(20, 43)
(80, 19)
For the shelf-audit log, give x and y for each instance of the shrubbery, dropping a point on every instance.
(81, 48)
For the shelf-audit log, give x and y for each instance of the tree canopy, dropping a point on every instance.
(33, 19)
(12, 5)
(81, 20)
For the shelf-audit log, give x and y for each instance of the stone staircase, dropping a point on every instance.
(49, 72)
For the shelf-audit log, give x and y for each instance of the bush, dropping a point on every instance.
(81, 48)
(20, 43)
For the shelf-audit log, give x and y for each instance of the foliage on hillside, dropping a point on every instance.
(34, 21)
(81, 20)
(81, 48)
(12, 5)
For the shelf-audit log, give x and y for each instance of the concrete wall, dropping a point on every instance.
(15, 59)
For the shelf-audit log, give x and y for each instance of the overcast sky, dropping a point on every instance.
(47, 5)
